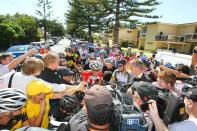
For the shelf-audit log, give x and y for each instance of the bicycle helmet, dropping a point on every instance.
(73, 45)
(11, 99)
(92, 56)
(68, 49)
(102, 52)
(109, 60)
(169, 65)
(117, 52)
(70, 104)
(95, 65)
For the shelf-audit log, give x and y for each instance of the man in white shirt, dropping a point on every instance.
(7, 63)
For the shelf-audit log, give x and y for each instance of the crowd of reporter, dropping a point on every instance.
(48, 87)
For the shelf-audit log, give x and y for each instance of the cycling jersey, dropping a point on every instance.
(83, 54)
(76, 56)
(15, 122)
(70, 61)
(122, 77)
(88, 77)
(107, 73)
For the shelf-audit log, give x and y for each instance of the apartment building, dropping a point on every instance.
(182, 37)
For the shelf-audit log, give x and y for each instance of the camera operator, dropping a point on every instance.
(96, 113)
(142, 93)
(190, 101)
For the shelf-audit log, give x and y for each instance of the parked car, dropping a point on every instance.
(19, 50)
(50, 42)
(38, 45)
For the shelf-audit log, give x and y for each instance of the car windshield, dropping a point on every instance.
(16, 48)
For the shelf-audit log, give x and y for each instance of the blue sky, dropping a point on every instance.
(173, 11)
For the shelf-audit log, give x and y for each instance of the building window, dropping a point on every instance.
(195, 30)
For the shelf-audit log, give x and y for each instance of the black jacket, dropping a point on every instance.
(51, 76)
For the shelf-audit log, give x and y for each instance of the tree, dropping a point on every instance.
(123, 11)
(44, 12)
(86, 16)
(55, 28)
(10, 32)
(29, 25)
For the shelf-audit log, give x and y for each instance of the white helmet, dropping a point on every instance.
(109, 60)
(95, 65)
(11, 99)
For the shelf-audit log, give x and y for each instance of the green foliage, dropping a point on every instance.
(10, 32)
(85, 16)
(55, 28)
(19, 28)
(126, 44)
(97, 15)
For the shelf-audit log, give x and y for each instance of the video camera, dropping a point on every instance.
(126, 117)
(171, 107)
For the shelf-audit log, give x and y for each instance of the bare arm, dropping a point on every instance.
(37, 121)
(177, 73)
(76, 66)
(20, 59)
(57, 95)
(25, 123)
(159, 125)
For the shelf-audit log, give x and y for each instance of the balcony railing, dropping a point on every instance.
(176, 38)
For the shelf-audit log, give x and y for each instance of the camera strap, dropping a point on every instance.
(10, 80)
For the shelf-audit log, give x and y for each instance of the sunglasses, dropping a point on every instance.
(120, 66)
(96, 70)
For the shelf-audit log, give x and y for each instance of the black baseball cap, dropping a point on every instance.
(121, 62)
(65, 72)
(145, 90)
(191, 94)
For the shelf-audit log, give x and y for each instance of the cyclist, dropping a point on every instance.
(71, 62)
(121, 74)
(83, 53)
(94, 75)
(92, 57)
(101, 58)
(118, 56)
(108, 69)
(75, 52)
(12, 115)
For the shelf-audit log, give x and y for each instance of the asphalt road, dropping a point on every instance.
(61, 45)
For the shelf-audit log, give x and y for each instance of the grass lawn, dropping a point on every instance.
(147, 53)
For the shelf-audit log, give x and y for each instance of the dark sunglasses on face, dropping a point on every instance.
(120, 66)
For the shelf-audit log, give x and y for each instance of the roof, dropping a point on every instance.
(161, 23)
